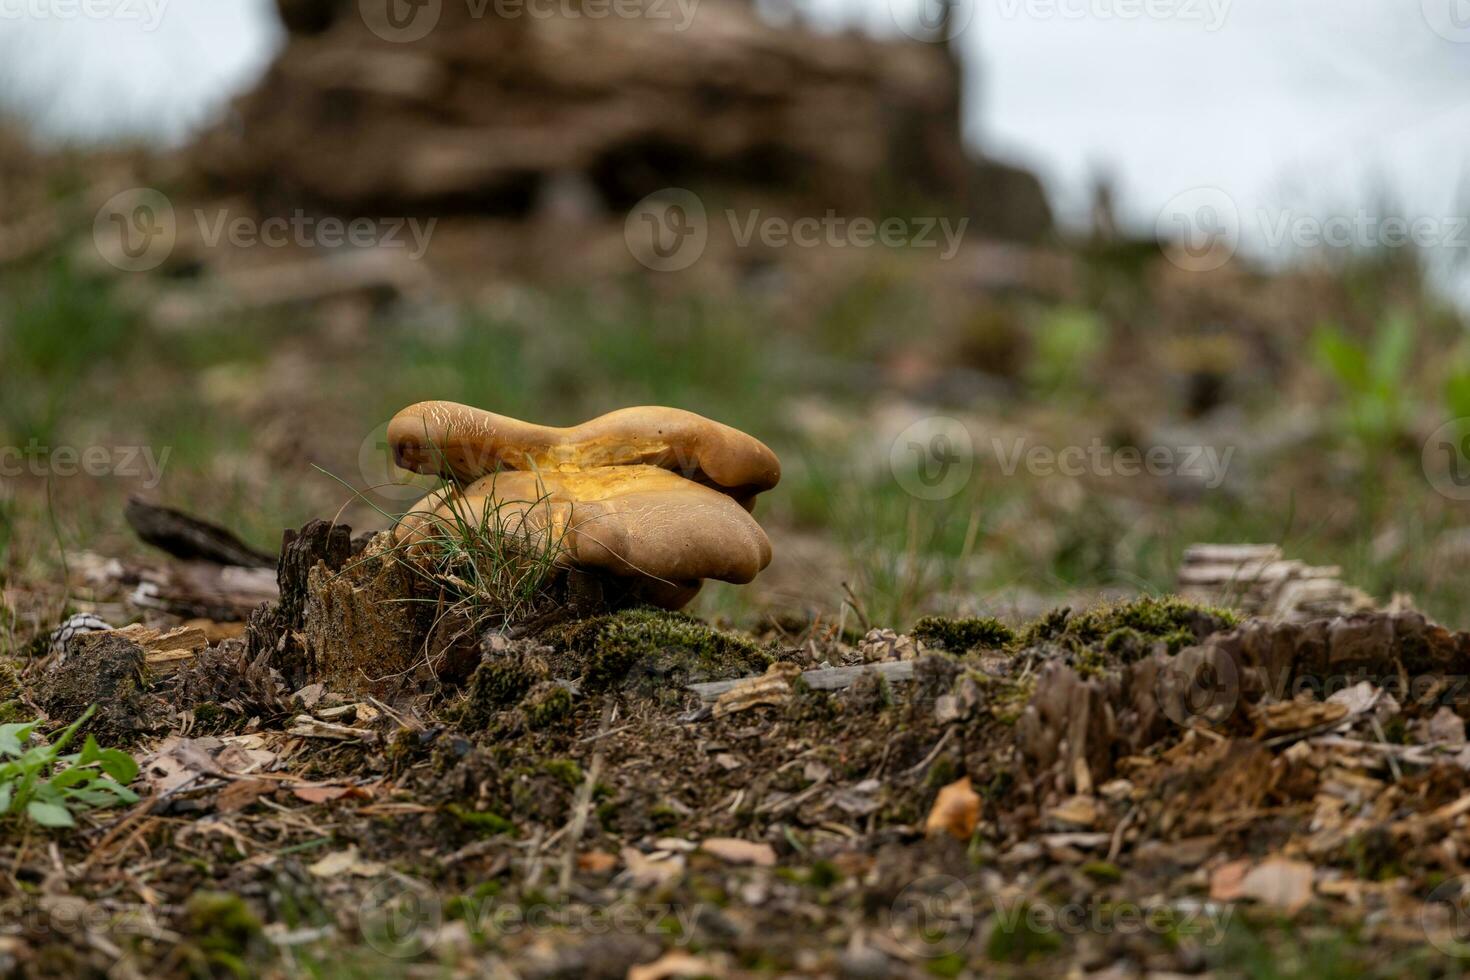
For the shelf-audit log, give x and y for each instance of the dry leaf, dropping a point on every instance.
(733, 850)
(314, 793)
(956, 811)
(1078, 811)
(1225, 881)
(1280, 882)
(596, 862)
(241, 793)
(647, 872)
(345, 862)
(674, 963)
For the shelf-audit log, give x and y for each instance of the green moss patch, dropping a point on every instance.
(963, 635)
(655, 648)
(1128, 629)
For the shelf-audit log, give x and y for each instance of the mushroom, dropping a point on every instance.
(656, 496)
(452, 440)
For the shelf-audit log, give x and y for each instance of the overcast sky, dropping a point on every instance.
(1316, 102)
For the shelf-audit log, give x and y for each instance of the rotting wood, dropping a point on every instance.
(821, 679)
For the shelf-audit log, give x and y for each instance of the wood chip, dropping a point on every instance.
(771, 688)
(674, 963)
(733, 850)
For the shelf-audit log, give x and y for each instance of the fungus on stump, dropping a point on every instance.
(655, 497)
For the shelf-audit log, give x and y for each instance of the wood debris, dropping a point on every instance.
(733, 850)
(1260, 581)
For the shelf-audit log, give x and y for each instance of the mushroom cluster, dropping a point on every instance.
(658, 497)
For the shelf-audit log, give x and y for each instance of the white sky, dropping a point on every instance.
(1303, 102)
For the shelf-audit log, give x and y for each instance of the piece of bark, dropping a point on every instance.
(276, 629)
(190, 538)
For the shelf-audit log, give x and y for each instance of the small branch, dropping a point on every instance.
(824, 679)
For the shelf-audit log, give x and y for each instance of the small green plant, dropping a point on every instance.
(47, 787)
(1373, 378)
(1067, 342)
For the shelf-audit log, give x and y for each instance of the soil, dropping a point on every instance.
(574, 809)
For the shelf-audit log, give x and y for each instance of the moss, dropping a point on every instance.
(1125, 631)
(565, 771)
(1048, 627)
(642, 645)
(487, 823)
(823, 874)
(1102, 871)
(941, 773)
(1020, 937)
(963, 635)
(548, 704)
(13, 711)
(1168, 618)
(208, 714)
(1006, 698)
(948, 965)
(222, 923)
(498, 683)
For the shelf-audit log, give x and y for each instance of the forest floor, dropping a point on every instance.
(1132, 786)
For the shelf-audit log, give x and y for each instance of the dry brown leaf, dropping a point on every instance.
(956, 811)
(312, 793)
(1225, 881)
(733, 850)
(596, 862)
(241, 793)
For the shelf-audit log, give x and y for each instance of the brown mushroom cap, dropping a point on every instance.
(467, 443)
(638, 521)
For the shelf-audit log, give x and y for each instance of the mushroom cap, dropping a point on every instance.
(449, 439)
(639, 521)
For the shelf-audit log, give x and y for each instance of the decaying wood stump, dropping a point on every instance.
(276, 629)
(492, 113)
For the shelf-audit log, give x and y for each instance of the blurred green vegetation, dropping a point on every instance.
(250, 405)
